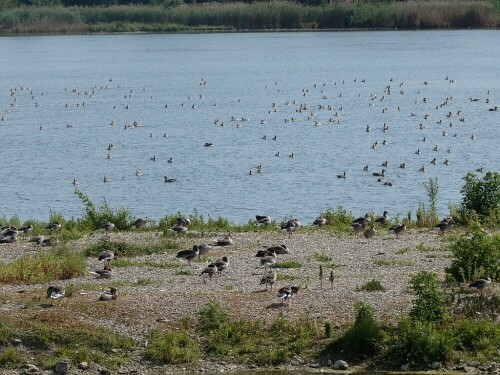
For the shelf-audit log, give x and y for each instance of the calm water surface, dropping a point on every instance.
(253, 84)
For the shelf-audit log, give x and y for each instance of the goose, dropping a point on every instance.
(402, 165)
(268, 261)
(208, 144)
(169, 180)
(53, 227)
(341, 175)
(281, 249)
(480, 169)
(269, 279)
(397, 229)
(106, 179)
(140, 223)
(480, 283)
(383, 220)
(222, 265)
(286, 293)
(422, 169)
(107, 227)
(379, 174)
(56, 292)
(105, 273)
(320, 221)
(209, 271)
(204, 249)
(263, 220)
(106, 256)
(189, 255)
(291, 226)
(109, 296)
(181, 225)
(365, 168)
(138, 173)
(363, 219)
(369, 233)
(37, 239)
(445, 225)
(225, 241)
(384, 164)
(358, 227)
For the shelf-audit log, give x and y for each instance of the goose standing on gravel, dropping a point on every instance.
(269, 279)
(291, 226)
(105, 273)
(369, 233)
(56, 292)
(209, 271)
(106, 256)
(222, 265)
(268, 261)
(203, 249)
(107, 227)
(358, 228)
(189, 255)
(397, 229)
(286, 293)
(109, 296)
(445, 225)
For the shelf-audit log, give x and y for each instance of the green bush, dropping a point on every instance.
(371, 286)
(125, 249)
(171, 347)
(9, 357)
(362, 340)
(430, 304)
(475, 256)
(482, 197)
(418, 343)
(95, 217)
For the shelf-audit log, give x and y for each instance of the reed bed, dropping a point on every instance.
(257, 16)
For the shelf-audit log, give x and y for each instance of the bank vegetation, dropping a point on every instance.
(58, 17)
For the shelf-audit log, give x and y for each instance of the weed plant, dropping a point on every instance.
(124, 249)
(481, 196)
(475, 256)
(371, 286)
(171, 347)
(430, 304)
(288, 264)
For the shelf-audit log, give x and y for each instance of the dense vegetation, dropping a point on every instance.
(71, 16)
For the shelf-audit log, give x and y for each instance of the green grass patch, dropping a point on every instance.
(321, 257)
(9, 357)
(52, 337)
(288, 264)
(171, 347)
(371, 286)
(184, 273)
(53, 264)
(403, 250)
(421, 247)
(283, 277)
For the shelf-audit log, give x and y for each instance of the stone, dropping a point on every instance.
(83, 365)
(62, 367)
(461, 367)
(340, 365)
(405, 367)
(16, 342)
(30, 369)
(436, 365)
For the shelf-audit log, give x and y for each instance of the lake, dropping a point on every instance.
(326, 98)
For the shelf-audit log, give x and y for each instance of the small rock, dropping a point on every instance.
(16, 342)
(315, 365)
(30, 369)
(405, 367)
(103, 371)
(436, 365)
(62, 367)
(83, 365)
(340, 365)
(474, 364)
(461, 367)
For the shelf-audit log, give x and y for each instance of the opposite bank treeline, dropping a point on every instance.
(77, 17)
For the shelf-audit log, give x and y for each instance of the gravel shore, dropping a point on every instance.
(168, 295)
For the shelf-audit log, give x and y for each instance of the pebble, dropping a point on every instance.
(62, 367)
(340, 365)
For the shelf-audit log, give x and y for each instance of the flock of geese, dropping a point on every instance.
(267, 257)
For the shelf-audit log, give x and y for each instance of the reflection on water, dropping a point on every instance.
(165, 96)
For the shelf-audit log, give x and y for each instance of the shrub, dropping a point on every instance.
(9, 357)
(212, 316)
(371, 286)
(482, 196)
(339, 219)
(419, 343)
(430, 304)
(479, 339)
(124, 249)
(95, 217)
(475, 256)
(288, 264)
(428, 218)
(171, 347)
(362, 339)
